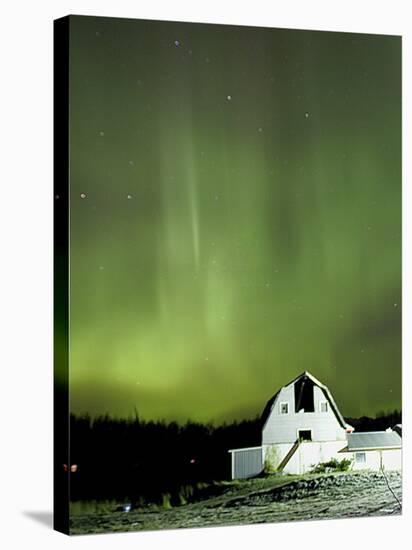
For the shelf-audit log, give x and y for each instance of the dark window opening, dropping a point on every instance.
(304, 395)
(284, 408)
(305, 435)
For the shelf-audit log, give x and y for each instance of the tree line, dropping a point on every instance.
(120, 459)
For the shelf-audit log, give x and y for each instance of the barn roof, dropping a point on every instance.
(372, 441)
(271, 403)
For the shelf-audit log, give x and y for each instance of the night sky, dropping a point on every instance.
(235, 218)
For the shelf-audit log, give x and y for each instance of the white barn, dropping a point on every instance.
(301, 427)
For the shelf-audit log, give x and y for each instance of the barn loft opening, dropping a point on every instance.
(304, 395)
(305, 435)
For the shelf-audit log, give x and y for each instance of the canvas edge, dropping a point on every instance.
(61, 416)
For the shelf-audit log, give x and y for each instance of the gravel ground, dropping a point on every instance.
(311, 497)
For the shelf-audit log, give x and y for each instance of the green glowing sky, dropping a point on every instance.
(235, 217)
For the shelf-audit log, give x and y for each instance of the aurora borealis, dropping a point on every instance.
(235, 217)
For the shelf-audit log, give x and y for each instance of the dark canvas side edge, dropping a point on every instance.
(61, 416)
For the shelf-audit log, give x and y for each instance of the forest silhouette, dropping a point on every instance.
(139, 460)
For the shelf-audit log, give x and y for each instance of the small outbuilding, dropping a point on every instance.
(374, 450)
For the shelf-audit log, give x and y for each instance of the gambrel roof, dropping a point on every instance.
(272, 402)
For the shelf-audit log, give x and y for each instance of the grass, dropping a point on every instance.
(85, 507)
(199, 492)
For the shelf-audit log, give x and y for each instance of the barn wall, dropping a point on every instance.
(391, 460)
(306, 457)
(282, 428)
(246, 462)
(274, 454)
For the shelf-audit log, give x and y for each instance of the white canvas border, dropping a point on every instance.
(26, 267)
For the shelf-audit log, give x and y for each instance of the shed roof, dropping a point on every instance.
(271, 403)
(367, 441)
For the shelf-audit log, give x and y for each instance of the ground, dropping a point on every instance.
(263, 500)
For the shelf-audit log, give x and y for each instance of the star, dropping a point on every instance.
(306, 115)
(83, 195)
(129, 197)
(229, 97)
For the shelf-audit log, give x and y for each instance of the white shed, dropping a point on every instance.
(374, 450)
